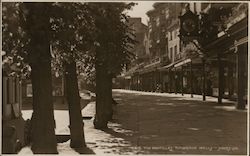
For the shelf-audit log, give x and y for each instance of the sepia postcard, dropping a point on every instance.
(124, 77)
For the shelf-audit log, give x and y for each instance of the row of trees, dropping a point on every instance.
(67, 38)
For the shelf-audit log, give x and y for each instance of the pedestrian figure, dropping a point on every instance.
(158, 88)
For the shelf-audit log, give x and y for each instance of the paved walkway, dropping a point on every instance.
(154, 123)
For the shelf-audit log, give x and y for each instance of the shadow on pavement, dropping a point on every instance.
(84, 150)
(173, 125)
(27, 105)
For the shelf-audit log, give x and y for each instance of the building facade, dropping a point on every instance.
(215, 65)
(130, 78)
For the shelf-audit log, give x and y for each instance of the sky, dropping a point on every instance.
(140, 10)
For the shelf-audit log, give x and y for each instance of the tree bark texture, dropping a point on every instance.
(109, 97)
(43, 124)
(103, 97)
(73, 99)
(43, 137)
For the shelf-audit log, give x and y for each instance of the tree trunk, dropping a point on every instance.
(73, 99)
(43, 137)
(43, 124)
(109, 100)
(101, 119)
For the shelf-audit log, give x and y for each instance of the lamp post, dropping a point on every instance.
(189, 32)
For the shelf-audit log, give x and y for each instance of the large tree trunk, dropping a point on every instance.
(101, 119)
(43, 124)
(73, 99)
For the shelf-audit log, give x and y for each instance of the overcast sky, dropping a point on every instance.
(141, 9)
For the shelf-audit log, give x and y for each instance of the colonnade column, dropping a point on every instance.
(191, 79)
(220, 79)
(203, 80)
(240, 76)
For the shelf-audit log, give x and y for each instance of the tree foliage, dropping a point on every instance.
(85, 34)
(114, 41)
(114, 38)
(15, 41)
(72, 30)
(213, 22)
(76, 31)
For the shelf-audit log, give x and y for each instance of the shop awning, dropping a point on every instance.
(166, 67)
(147, 70)
(150, 68)
(182, 63)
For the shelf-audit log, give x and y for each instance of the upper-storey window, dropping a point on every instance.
(167, 13)
(157, 20)
(175, 50)
(175, 34)
(163, 12)
(170, 35)
(150, 27)
(171, 54)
